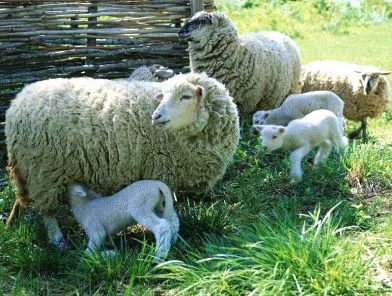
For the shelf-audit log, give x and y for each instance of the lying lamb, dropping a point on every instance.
(364, 89)
(298, 105)
(155, 73)
(147, 202)
(318, 128)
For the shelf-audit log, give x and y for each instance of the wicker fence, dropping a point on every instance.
(45, 39)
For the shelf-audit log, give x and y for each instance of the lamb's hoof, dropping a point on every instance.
(296, 180)
(108, 253)
(61, 245)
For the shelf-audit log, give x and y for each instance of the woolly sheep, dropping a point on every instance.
(318, 128)
(364, 89)
(154, 72)
(147, 202)
(98, 133)
(298, 105)
(259, 69)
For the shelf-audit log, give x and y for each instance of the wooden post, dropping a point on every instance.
(196, 5)
(91, 9)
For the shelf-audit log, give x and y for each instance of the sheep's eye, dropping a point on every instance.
(185, 98)
(274, 137)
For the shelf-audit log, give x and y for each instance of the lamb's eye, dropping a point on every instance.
(274, 137)
(185, 98)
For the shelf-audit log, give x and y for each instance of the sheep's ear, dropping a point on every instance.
(266, 114)
(381, 73)
(200, 91)
(282, 129)
(258, 127)
(159, 97)
(214, 19)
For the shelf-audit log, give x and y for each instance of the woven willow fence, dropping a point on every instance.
(107, 39)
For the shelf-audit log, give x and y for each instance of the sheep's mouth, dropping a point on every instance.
(161, 123)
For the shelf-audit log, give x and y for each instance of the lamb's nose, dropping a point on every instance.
(156, 116)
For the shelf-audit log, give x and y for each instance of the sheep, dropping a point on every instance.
(318, 128)
(259, 69)
(298, 105)
(364, 89)
(98, 133)
(154, 72)
(147, 202)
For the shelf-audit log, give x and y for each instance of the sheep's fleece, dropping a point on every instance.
(98, 133)
(259, 69)
(347, 81)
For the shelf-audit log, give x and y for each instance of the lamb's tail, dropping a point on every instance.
(21, 198)
(168, 207)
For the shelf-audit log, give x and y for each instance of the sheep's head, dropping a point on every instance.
(272, 136)
(180, 104)
(370, 80)
(260, 117)
(198, 28)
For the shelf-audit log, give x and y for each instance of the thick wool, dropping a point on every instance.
(298, 105)
(346, 81)
(148, 202)
(259, 69)
(98, 133)
(318, 128)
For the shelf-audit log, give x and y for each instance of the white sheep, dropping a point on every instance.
(318, 128)
(259, 69)
(154, 72)
(147, 202)
(364, 89)
(98, 133)
(298, 105)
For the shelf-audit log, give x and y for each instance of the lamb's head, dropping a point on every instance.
(199, 27)
(180, 105)
(272, 136)
(261, 117)
(370, 80)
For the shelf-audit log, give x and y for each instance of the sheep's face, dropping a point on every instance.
(370, 81)
(179, 105)
(197, 29)
(272, 136)
(260, 117)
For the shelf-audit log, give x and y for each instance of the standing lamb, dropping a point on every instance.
(364, 89)
(147, 202)
(98, 133)
(318, 128)
(298, 105)
(259, 69)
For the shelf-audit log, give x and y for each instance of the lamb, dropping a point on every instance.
(298, 105)
(147, 202)
(154, 72)
(318, 128)
(364, 89)
(259, 69)
(98, 133)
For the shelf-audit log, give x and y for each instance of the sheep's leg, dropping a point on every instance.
(160, 227)
(54, 232)
(355, 134)
(15, 210)
(295, 162)
(96, 238)
(323, 152)
(364, 129)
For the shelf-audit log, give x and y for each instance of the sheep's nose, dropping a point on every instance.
(156, 116)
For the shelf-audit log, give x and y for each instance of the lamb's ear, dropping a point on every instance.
(385, 72)
(200, 91)
(258, 127)
(282, 129)
(266, 114)
(80, 191)
(214, 19)
(159, 97)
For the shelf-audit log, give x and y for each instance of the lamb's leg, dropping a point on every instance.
(15, 210)
(295, 162)
(159, 226)
(96, 237)
(54, 232)
(323, 152)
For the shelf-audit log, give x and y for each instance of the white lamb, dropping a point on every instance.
(298, 105)
(147, 202)
(318, 128)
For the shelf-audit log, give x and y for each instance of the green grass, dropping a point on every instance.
(255, 233)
